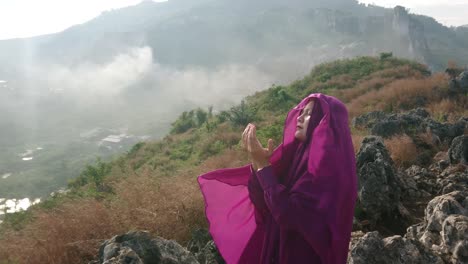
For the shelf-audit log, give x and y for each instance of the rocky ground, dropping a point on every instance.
(414, 215)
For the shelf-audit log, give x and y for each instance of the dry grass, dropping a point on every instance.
(228, 159)
(402, 150)
(376, 81)
(362, 88)
(170, 207)
(71, 233)
(449, 110)
(404, 71)
(342, 81)
(401, 95)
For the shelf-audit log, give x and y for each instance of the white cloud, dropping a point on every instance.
(96, 80)
(91, 83)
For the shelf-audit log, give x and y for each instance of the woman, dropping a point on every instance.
(294, 204)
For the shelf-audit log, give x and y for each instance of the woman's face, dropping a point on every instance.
(303, 121)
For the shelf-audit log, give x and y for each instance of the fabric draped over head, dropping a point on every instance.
(325, 184)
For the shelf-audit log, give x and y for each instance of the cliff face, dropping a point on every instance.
(410, 31)
(222, 32)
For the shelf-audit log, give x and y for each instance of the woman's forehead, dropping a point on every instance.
(310, 104)
(305, 102)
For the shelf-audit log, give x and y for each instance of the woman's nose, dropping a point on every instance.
(300, 118)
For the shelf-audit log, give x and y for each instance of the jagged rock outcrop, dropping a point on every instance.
(379, 192)
(453, 178)
(417, 182)
(138, 247)
(413, 122)
(463, 80)
(458, 152)
(373, 248)
(368, 120)
(441, 238)
(458, 85)
(445, 227)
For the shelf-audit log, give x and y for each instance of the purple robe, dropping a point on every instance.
(298, 210)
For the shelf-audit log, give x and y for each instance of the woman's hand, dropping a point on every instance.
(258, 154)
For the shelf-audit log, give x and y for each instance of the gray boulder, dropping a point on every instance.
(367, 120)
(372, 248)
(387, 128)
(458, 152)
(455, 238)
(411, 123)
(417, 182)
(453, 178)
(138, 247)
(445, 227)
(379, 192)
(463, 80)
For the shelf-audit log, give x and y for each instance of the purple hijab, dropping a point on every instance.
(303, 202)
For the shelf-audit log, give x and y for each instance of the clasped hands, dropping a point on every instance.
(258, 154)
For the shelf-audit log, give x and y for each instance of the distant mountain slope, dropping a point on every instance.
(139, 67)
(261, 33)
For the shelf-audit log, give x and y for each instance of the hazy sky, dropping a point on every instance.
(447, 12)
(23, 18)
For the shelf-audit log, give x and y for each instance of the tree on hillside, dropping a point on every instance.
(241, 115)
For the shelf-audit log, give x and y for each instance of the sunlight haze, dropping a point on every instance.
(27, 18)
(448, 13)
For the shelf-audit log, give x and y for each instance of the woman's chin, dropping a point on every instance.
(299, 136)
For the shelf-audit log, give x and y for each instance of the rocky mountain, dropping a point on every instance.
(268, 34)
(151, 51)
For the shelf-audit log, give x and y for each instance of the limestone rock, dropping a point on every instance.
(379, 192)
(445, 227)
(138, 247)
(372, 248)
(411, 123)
(458, 152)
(417, 182)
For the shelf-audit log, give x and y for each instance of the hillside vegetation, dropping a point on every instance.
(153, 187)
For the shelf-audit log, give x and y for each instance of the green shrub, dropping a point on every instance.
(183, 123)
(222, 117)
(274, 132)
(92, 174)
(242, 115)
(385, 55)
(181, 151)
(278, 99)
(135, 148)
(18, 220)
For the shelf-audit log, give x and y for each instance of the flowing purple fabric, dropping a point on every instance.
(298, 210)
